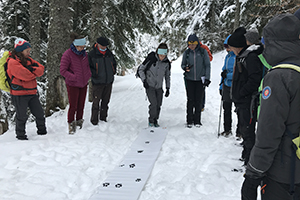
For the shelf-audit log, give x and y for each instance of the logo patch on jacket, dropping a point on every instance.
(266, 93)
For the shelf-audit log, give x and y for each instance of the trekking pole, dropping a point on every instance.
(220, 115)
(221, 106)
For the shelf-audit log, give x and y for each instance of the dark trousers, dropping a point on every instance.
(194, 91)
(76, 100)
(155, 97)
(227, 107)
(100, 92)
(203, 100)
(247, 129)
(21, 104)
(272, 190)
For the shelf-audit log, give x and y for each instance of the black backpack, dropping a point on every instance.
(151, 59)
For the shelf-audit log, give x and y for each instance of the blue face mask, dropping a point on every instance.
(103, 49)
(162, 51)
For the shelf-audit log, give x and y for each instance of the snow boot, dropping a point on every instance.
(151, 124)
(72, 127)
(79, 123)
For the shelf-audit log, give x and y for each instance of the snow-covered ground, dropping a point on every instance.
(193, 163)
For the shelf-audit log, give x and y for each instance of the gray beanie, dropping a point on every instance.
(252, 36)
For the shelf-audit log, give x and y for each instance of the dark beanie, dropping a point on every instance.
(102, 41)
(193, 38)
(237, 38)
(297, 13)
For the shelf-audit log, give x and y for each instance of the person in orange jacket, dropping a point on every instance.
(22, 71)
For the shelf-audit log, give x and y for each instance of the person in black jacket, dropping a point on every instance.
(103, 67)
(247, 75)
(273, 161)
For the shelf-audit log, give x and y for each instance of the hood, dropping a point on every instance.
(282, 41)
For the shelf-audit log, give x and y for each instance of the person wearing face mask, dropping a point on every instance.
(74, 67)
(152, 77)
(23, 71)
(103, 67)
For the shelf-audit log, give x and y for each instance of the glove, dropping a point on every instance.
(30, 68)
(145, 84)
(249, 188)
(224, 74)
(206, 82)
(167, 92)
(221, 92)
(35, 65)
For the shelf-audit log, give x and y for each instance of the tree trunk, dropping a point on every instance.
(59, 27)
(35, 27)
(3, 116)
(237, 14)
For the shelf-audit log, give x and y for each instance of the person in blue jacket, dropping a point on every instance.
(225, 86)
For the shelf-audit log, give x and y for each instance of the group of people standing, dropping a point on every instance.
(263, 76)
(196, 65)
(77, 67)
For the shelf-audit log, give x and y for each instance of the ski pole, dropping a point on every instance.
(220, 115)
(221, 106)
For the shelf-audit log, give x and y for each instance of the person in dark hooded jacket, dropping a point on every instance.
(273, 161)
(246, 79)
(103, 67)
(196, 64)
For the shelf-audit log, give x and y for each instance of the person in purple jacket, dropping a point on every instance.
(74, 66)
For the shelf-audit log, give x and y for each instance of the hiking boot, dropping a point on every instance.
(198, 125)
(72, 127)
(151, 124)
(189, 125)
(79, 123)
(156, 125)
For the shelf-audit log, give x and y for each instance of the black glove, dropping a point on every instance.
(30, 68)
(146, 85)
(224, 74)
(221, 92)
(167, 92)
(35, 65)
(249, 188)
(206, 82)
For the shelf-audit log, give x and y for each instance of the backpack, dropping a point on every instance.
(150, 59)
(4, 78)
(203, 46)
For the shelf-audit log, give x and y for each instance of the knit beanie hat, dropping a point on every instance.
(238, 39)
(252, 36)
(21, 45)
(102, 41)
(193, 39)
(297, 13)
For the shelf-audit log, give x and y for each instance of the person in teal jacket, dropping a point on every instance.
(225, 86)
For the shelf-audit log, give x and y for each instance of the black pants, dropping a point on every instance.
(21, 104)
(247, 129)
(100, 92)
(227, 107)
(272, 190)
(155, 97)
(194, 91)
